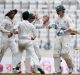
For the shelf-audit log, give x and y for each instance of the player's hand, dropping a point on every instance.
(49, 27)
(70, 30)
(72, 33)
(75, 32)
(10, 35)
(16, 32)
(32, 38)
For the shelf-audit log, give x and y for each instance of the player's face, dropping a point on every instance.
(12, 14)
(61, 13)
(31, 20)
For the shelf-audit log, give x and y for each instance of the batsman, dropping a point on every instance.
(64, 27)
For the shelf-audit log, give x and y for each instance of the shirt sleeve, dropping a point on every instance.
(33, 32)
(16, 26)
(71, 24)
(2, 27)
(55, 24)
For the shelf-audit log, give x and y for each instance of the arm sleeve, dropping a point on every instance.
(55, 25)
(33, 32)
(2, 27)
(71, 24)
(15, 28)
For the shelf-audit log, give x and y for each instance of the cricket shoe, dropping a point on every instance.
(17, 69)
(41, 71)
(70, 71)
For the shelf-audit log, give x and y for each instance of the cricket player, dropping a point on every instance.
(8, 39)
(64, 28)
(36, 48)
(32, 19)
(26, 33)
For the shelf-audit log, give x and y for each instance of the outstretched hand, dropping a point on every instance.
(72, 32)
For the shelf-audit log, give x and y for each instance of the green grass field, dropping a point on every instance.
(35, 74)
(24, 74)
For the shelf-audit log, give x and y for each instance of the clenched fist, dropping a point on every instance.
(10, 35)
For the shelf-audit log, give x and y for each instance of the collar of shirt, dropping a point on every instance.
(9, 19)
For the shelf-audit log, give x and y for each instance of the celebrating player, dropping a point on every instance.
(64, 28)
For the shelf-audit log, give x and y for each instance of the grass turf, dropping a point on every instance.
(34, 74)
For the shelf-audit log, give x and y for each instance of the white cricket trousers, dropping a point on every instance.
(36, 48)
(6, 43)
(30, 53)
(61, 49)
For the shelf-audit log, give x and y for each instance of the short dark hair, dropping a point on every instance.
(25, 15)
